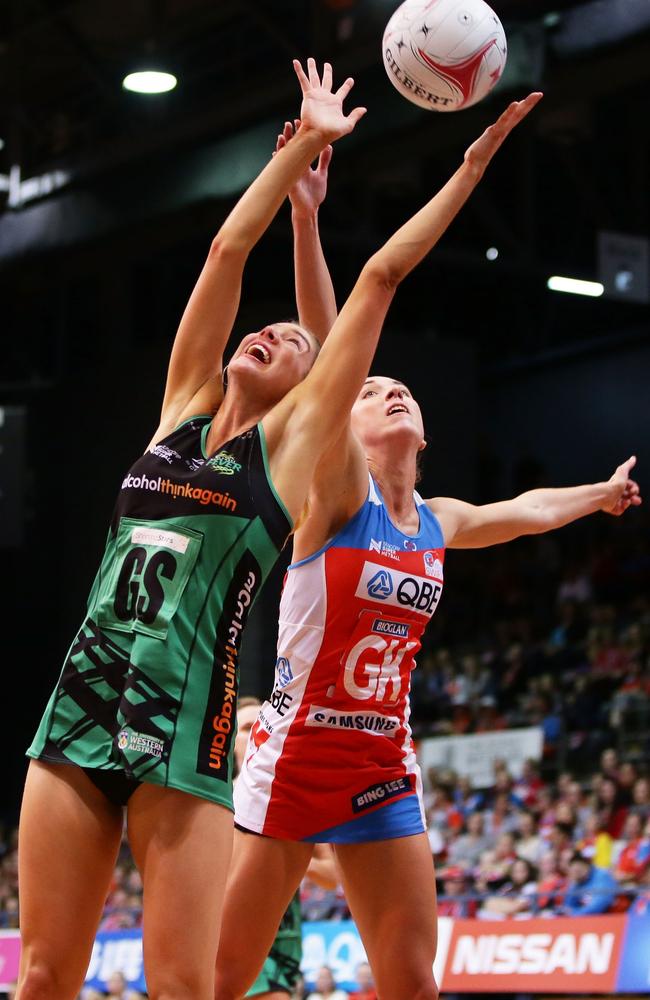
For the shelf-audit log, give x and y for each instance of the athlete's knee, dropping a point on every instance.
(426, 990)
(182, 985)
(41, 981)
(226, 988)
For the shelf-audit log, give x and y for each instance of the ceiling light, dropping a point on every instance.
(149, 81)
(575, 286)
(491, 253)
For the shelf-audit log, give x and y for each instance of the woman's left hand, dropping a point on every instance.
(624, 491)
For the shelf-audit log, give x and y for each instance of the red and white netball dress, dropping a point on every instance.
(331, 758)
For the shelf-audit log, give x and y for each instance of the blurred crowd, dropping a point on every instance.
(551, 631)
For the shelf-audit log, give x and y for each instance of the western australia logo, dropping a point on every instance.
(152, 746)
(224, 464)
(380, 586)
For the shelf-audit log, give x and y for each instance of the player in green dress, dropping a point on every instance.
(143, 713)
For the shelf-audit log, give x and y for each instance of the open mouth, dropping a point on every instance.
(260, 353)
(397, 408)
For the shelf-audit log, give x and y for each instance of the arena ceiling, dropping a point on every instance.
(578, 168)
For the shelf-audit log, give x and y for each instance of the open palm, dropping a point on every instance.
(481, 152)
(322, 108)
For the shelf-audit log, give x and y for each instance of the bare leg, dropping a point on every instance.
(391, 889)
(182, 846)
(251, 918)
(68, 842)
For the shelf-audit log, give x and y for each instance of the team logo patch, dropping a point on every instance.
(283, 671)
(383, 548)
(432, 566)
(410, 545)
(224, 464)
(385, 627)
(152, 746)
(380, 586)
(378, 794)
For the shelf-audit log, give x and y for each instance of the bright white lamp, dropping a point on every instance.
(149, 81)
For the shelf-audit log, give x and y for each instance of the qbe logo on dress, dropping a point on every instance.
(381, 585)
(400, 590)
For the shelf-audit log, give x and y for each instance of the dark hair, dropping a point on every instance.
(577, 856)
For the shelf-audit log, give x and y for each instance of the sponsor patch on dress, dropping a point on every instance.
(378, 794)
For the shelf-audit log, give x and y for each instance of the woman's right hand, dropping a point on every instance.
(322, 108)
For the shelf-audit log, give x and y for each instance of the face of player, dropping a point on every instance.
(271, 362)
(246, 717)
(384, 412)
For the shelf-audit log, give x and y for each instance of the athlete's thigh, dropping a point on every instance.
(391, 890)
(69, 836)
(182, 845)
(264, 876)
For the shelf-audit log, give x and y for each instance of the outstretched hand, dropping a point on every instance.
(481, 152)
(624, 491)
(309, 191)
(322, 108)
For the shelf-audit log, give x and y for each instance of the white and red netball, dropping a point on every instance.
(444, 54)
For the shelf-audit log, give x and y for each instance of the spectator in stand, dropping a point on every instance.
(119, 915)
(501, 818)
(589, 889)
(626, 778)
(326, 988)
(551, 884)
(609, 801)
(443, 814)
(641, 797)
(609, 764)
(529, 784)
(117, 988)
(529, 845)
(365, 982)
(633, 858)
(574, 796)
(596, 844)
(545, 810)
(495, 864)
(561, 841)
(467, 850)
(466, 799)
(516, 897)
(455, 886)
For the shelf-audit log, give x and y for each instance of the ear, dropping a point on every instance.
(422, 445)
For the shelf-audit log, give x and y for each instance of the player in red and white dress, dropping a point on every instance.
(351, 619)
(330, 757)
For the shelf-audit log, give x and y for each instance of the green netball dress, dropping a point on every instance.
(149, 686)
(282, 967)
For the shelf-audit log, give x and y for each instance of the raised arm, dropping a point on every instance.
(317, 411)
(208, 318)
(315, 297)
(466, 526)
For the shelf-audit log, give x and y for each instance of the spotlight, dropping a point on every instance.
(491, 253)
(575, 286)
(149, 81)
